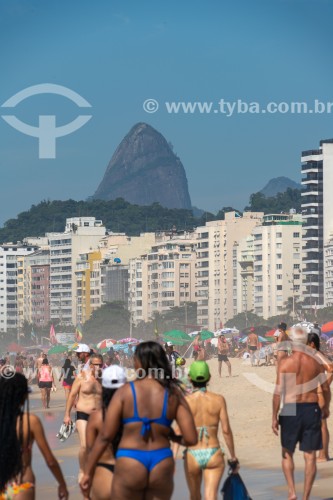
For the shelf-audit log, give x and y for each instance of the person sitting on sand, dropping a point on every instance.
(205, 460)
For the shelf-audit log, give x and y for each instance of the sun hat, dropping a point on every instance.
(113, 377)
(82, 348)
(199, 371)
(299, 334)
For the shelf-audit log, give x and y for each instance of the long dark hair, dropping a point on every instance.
(13, 393)
(314, 338)
(153, 360)
(107, 395)
(67, 364)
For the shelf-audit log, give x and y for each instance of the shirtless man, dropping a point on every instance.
(87, 389)
(222, 356)
(283, 342)
(297, 382)
(252, 345)
(39, 360)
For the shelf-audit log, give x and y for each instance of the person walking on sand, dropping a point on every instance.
(45, 382)
(68, 376)
(222, 356)
(283, 342)
(87, 389)
(314, 343)
(205, 460)
(146, 408)
(112, 379)
(298, 378)
(252, 346)
(18, 431)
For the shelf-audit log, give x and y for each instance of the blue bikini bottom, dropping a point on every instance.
(149, 458)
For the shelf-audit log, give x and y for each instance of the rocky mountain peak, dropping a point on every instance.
(143, 170)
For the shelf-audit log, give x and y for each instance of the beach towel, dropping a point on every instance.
(234, 488)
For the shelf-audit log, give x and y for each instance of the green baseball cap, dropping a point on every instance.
(199, 371)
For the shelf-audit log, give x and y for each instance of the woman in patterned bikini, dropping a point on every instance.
(206, 459)
(18, 431)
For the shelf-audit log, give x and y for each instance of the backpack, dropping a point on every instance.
(234, 488)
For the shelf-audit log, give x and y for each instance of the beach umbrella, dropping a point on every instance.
(178, 342)
(13, 347)
(261, 339)
(327, 327)
(176, 334)
(106, 343)
(205, 335)
(57, 349)
(128, 340)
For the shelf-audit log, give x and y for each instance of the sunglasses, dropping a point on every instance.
(97, 364)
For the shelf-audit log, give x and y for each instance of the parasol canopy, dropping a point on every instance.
(106, 343)
(57, 349)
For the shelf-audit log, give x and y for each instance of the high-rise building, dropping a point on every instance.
(81, 235)
(162, 278)
(218, 274)
(317, 211)
(88, 285)
(37, 288)
(11, 271)
(277, 273)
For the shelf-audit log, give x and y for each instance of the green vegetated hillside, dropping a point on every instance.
(121, 216)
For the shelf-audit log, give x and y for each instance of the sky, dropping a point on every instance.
(116, 54)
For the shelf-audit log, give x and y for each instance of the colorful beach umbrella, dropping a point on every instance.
(128, 340)
(327, 327)
(106, 343)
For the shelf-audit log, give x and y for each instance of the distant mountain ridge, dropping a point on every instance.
(144, 170)
(279, 185)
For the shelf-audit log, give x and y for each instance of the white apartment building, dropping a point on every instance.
(81, 235)
(218, 278)
(329, 272)
(10, 273)
(277, 262)
(162, 278)
(317, 210)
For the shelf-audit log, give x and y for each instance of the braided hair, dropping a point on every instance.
(13, 394)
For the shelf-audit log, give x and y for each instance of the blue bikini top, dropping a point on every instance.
(146, 422)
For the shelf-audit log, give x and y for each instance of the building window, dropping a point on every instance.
(279, 287)
(296, 235)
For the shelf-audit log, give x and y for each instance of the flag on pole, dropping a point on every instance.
(53, 339)
(78, 333)
(33, 335)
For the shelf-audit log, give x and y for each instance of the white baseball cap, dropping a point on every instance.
(169, 344)
(82, 348)
(113, 377)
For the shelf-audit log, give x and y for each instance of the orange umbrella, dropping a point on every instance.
(327, 327)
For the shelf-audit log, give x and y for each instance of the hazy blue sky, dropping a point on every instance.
(116, 54)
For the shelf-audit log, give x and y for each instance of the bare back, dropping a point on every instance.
(206, 410)
(300, 375)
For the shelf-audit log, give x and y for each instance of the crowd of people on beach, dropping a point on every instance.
(139, 421)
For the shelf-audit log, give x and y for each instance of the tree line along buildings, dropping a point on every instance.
(249, 262)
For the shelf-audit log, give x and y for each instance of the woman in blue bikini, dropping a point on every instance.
(146, 408)
(206, 459)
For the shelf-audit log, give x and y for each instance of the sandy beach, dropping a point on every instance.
(249, 402)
